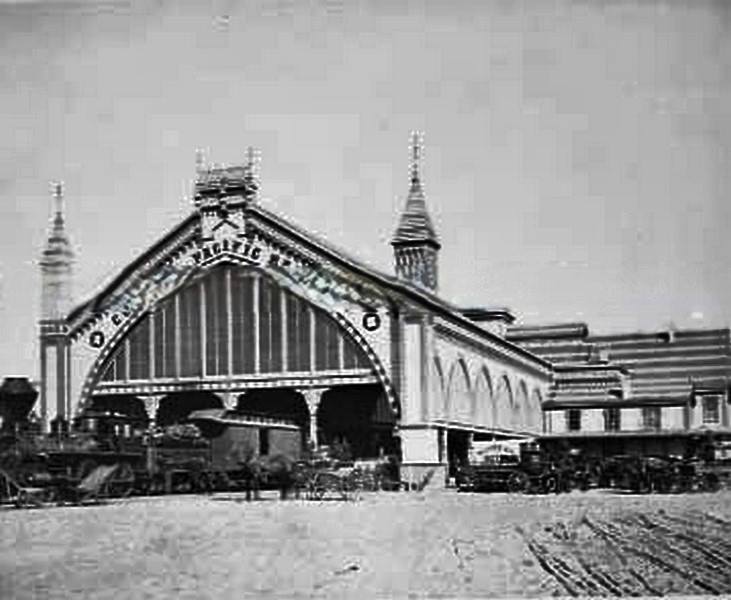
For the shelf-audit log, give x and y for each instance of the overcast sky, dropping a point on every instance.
(576, 163)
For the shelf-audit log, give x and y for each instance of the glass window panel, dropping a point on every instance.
(573, 419)
(264, 327)
(275, 313)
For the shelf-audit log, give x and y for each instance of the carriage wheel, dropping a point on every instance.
(347, 487)
(517, 482)
(357, 491)
(316, 488)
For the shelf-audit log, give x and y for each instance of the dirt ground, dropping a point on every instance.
(388, 545)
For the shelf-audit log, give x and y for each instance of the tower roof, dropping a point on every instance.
(415, 225)
(58, 250)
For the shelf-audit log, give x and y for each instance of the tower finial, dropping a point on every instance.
(251, 161)
(200, 160)
(416, 151)
(58, 197)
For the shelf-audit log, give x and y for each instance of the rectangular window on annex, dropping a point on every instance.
(711, 413)
(573, 419)
(612, 419)
(651, 417)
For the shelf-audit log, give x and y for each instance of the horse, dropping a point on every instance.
(257, 471)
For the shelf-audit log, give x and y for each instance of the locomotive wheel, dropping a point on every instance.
(550, 484)
(582, 481)
(642, 486)
(518, 483)
(203, 484)
(157, 484)
(123, 481)
(711, 483)
(85, 467)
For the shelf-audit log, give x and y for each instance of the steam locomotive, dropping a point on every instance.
(212, 450)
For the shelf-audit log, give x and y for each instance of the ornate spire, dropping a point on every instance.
(252, 173)
(58, 243)
(415, 224)
(415, 243)
(200, 161)
(58, 204)
(56, 262)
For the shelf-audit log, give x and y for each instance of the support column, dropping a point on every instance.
(255, 324)
(423, 451)
(312, 397)
(152, 404)
(230, 399)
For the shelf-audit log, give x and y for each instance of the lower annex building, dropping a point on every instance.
(238, 309)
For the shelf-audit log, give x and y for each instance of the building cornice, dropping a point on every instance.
(494, 346)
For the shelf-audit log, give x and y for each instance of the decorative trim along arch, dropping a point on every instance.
(482, 407)
(438, 402)
(503, 405)
(127, 327)
(520, 410)
(375, 359)
(459, 369)
(95, 373)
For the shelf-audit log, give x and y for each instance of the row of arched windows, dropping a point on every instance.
(479, 398)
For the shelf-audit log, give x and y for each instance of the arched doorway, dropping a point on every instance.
(280, 403)
(360, 417)
(175, 408)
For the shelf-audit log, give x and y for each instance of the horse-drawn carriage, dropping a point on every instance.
(327, 475)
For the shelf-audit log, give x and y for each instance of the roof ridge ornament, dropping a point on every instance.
(416, 152)
(229, 183)
(252, 171)
(57, 191)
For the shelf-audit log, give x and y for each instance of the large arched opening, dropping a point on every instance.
(360, 418)
(284, 403)
(234, 330)
(176, 408)
(281, 403)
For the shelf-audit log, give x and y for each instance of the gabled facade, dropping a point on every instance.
(238, 308)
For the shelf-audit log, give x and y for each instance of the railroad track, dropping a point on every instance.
(636, 554)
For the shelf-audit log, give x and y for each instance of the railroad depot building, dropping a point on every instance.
(656, 393)
(236, 309)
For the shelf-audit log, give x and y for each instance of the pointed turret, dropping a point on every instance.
(56, 262)
(415, 243)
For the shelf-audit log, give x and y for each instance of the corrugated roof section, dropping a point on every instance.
(660, 364)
